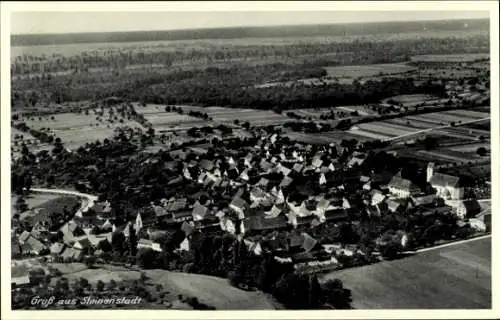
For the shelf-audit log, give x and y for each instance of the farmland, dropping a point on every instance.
(361, 71)
(452, 277)
(166, 121)
(76, 129)
(457, 58)
(411, 100)
(412, 124)
(324, 137)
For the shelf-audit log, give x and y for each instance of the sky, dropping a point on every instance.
(74, 22)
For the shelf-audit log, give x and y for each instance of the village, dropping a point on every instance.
(306, 205)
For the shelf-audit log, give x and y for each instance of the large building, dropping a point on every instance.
(447, 186)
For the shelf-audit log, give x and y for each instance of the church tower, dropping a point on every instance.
(430, 171)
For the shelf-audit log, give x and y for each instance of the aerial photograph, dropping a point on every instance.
(250, 160)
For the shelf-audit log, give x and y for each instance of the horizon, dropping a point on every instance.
(48, 23)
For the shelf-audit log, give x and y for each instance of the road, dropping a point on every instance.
(454, 243)
(435, 128)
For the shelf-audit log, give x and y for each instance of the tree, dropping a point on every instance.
(100, 285)
(391, 250)
(21, 205)
(430, 143)
(146, 258)
(298, 291)
(90, 261)
(336, 295)
(112, 284)
(482, 151)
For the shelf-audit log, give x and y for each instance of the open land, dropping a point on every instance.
(455, 277)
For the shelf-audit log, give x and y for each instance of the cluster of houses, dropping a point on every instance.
(269, 195)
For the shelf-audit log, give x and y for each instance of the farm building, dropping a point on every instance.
(468, 208)
(402, 188)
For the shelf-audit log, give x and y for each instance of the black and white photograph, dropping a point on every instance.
(244, 160)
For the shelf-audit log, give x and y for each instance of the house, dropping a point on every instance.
(298, 167)
(199, 212)
(253, 247)
(72, 254)
(239, 206)
(357, 159)
(187, 228)
(57, 248)
(468, 208)
(145, 243)
(70, 231)
(302, 242)
(478, 224)
(261, 223)
(227, 224)
(82, 244)
(396, 206)
(33, 246)
(377, 197)
(21, 281)
(425, 200)
(257, 195)
(286, 182)
(24, 236)
(185, 245)
(336, 215)
(322, 179)
(447, 186)
(273, 213)
(402, 188)
(284, 170)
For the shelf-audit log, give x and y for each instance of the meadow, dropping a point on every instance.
(77, 129)
(210, 290)
(454, 277)
(462, 57)
(360, 71)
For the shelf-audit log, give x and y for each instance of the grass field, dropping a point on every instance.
(360, 71)
(76, 129)
(324, 137)
(213, 291)
(461, 57)
(448, 278)
(411, 100)
(51, 205)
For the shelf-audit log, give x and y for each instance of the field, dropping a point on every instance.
(410, 100)
(323, 137)
(454, 277)
(462, 57)
(360, 71)
(17, 138)
(400, 126)
(76, 129)
(213, 291)
(51, 205)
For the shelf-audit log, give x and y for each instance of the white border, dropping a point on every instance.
(8, 7)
